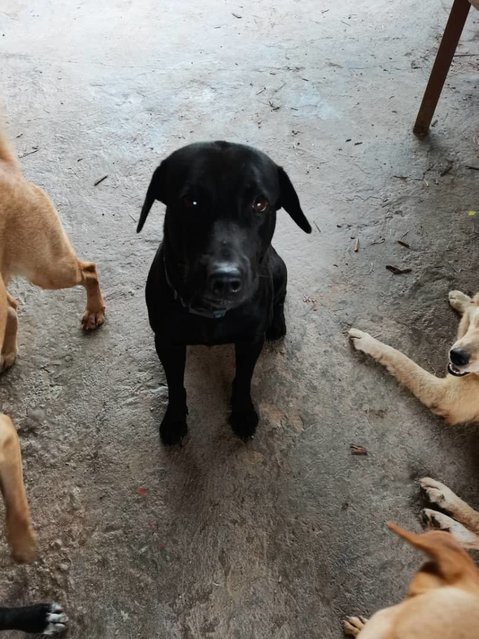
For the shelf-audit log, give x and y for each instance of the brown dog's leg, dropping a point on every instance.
(47, 258)
(68, 272)
(8, 328)
(430, 390)
(20, 534)
(94, 314)
(9, 347)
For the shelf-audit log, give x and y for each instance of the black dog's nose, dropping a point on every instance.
(224, 280)
(459, 357)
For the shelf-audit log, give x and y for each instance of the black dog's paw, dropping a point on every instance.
(244, 422)
(45, 619)
(277, 328)
(56, 620)
(173, 429)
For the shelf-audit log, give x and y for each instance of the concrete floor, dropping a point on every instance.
(282, 537)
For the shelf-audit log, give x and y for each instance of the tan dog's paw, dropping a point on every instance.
(23, 542)
(352, 626)
(362, 341)
(439, 494)
(91, 320)
(459, 300)
(439, 521)
(7, 360)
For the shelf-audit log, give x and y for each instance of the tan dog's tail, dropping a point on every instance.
(451, 561)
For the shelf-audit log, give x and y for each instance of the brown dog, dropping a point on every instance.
(33, 244)
(454, 397)
(442, 601)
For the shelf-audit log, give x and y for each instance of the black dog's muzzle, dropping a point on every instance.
(203, 311)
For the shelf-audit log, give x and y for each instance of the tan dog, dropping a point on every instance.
(33, 244)
(442, 601)
(20, 534)
(454, 397)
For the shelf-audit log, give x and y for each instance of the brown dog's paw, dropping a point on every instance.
(23, 542)
(7, 360)
(352, 626)
(91, 320)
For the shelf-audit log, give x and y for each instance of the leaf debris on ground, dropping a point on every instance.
(396, 270)
(35, 149)
(356, 449)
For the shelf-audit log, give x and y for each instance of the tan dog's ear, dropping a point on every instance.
(450, 563)
(475, 299)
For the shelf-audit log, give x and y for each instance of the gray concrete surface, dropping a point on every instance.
(282, 537)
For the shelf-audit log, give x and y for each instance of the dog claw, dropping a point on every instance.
(91, 320)
(352, 626)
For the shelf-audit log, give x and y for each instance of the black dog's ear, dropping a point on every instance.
(289, 201)
(155, 192)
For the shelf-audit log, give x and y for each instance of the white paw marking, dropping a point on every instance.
(439, 494)
(56, 620)
(360, 340)
(439, 521)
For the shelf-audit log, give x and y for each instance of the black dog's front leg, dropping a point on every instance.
(244, 418)
(173, 427)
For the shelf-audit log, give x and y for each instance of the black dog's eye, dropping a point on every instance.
(260, 204)
(190, 202)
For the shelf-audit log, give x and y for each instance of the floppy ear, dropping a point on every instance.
(155, 192)
(289, 201)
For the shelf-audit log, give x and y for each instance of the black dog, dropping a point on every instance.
(216, 279)
(45, 619)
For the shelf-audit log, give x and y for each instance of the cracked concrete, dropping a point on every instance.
(283, 537)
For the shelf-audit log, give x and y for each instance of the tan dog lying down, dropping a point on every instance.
(454, 397)
(33, 244)
(442, 601)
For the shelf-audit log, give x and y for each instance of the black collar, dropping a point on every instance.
(203, 312)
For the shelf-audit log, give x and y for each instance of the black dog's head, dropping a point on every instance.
(221, 202)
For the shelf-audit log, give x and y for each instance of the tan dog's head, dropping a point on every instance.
(464, 354)
(450, 565)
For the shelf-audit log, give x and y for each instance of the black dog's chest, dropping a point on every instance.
(183, 328)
